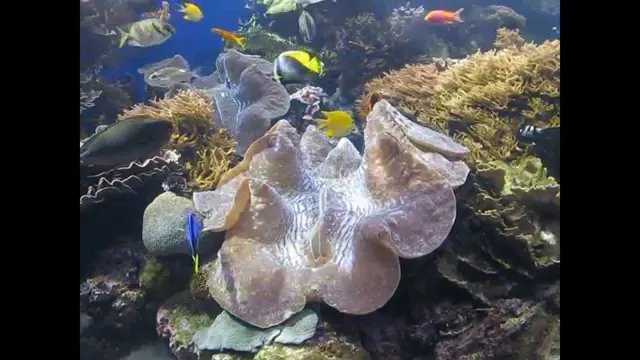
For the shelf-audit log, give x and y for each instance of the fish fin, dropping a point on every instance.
(196, 263)
(181, 8)
(198, 72)
(457, 15)
(124, 36)
(330, 133)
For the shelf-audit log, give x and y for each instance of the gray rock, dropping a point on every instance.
(164, 224)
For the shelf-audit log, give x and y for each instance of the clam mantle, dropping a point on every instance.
(305, 221)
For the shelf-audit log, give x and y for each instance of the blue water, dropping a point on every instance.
(194, 41)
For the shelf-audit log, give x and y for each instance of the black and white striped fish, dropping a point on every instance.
(531, 134)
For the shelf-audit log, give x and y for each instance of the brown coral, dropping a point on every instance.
(305, 221)
(207, 151)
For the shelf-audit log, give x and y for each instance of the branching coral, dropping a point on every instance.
(207, 150)
(305, 221)
(212, 164)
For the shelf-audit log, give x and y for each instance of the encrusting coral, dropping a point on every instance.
(207, 151)
(306, 221)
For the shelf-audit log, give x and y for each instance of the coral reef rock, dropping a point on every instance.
(513, 329)
(178, 319)
(97, 186)
(164, 224)
(113, 301)
(245, 96)
(306, 221)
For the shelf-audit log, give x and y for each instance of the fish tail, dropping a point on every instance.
(240, 41)
(456, 15)
(322, 123)
(124, 36)
(196, 263)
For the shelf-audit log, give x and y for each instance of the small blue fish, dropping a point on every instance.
(556, 30)
(193, 233)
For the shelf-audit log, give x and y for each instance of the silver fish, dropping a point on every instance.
(166, 77)
(124, 141)
(166, 73)
(306, 26)
(147, 32)
(175, 61)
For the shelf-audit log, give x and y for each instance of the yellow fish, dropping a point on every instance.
(191, 12)
(336, 124)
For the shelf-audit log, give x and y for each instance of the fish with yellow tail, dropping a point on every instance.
(229, 36)
(335, 123)
(297, 67)
(146, 33)
(193, 235)
(191, 11)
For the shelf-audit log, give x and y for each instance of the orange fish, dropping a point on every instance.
(444, 17)
(229, 36)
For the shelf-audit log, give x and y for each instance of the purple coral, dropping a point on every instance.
(306, 221)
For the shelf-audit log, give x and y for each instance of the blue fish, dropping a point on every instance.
(193, 233)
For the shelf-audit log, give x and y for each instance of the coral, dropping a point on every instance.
(505, 17)
(206, 150)
(212, 163)
(407, 89)
(522, 205)
(387, 44)
(97, 186)
(245, 96)
(227, 332)
(484, 99)
(190, 112)
(305, 221)
(328, 351)
(111, 296)
(513, 329)
(161, 278)
(267, 44)
(277, 6)
(178, 319)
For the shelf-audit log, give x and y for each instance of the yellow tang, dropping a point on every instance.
(336, 124)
